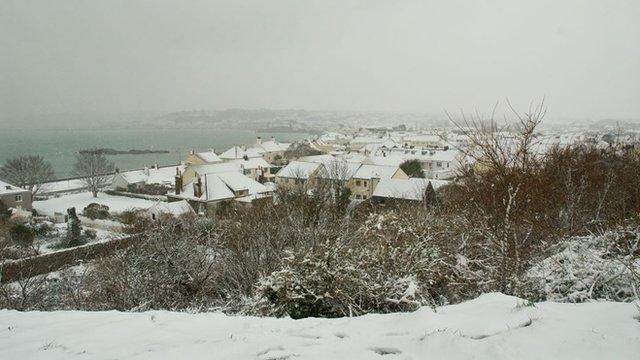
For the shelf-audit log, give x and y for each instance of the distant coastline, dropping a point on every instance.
(109, 151)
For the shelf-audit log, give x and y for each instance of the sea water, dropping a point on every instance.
(60, 147)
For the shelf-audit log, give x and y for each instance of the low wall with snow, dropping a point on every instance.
(14, 270)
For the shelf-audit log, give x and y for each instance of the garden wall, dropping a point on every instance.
(13, 270)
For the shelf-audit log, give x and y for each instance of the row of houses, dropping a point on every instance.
(244, 175)
(365, 179)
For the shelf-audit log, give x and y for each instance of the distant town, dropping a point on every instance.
(370, 161)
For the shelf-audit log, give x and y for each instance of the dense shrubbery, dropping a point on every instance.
(21, 235)
(96, 211)
(605, 266)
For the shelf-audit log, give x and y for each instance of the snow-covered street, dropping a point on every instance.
(493, 326)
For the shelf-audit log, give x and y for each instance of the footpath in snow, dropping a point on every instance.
(493, 326)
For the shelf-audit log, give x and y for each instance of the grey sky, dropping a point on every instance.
(418, 56)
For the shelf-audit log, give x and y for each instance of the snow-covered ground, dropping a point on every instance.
(493, 326)
(116, 204)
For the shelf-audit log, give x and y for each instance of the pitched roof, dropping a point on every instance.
(216, 168)
(298, 169)
(237, 182)
(163, 175)
(407, 189)
(237, 152)
(221, 186)
(338, 170)
(209, 156)
(6, 188)
(273, 146)
(252, 163)
(367, 171)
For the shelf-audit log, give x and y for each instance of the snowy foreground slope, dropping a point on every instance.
(493, 326)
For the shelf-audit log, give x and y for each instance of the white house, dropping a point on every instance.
(206, 191)
(155, 175)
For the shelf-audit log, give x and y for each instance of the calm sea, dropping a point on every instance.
(60, 146)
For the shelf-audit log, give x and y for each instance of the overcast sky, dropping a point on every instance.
(416, 56)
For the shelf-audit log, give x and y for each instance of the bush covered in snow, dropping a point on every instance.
(96, 211)
(337, 279)
(605, 266)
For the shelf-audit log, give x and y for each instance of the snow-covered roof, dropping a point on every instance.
(367, 140)
(367, 171)
(252, 163)
(384, 160)
(214, 189)
(6, 188)
(175, 208)
(236, 152)
(273, 146)
(163, 175)
(221, 186)
(407, 189)
(238, 182)
(323, 158)
(216, 168)
(299, 169)
(209, 156)
(338, 170)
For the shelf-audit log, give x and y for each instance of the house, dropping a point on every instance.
(365, 180)
(297, 172)
(200, 158)
(257, 169)
(403, 190)
(237, 152)
(175, 209)
(205, 192)
(148, 176)
(191, 171)
(436, 163)
(14, 197)
(272, 150)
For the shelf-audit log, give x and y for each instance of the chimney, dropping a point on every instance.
(192, 152)
(259, 140)
(155, 166)
(213, 150)
(117, 171)
(146, 171)
(197, 187)
(178, 182)
(273, 138)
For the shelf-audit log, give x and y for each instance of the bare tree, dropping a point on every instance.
(491, 149)
(28, 172)
(94, 169)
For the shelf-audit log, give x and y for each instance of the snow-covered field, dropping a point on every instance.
(493, 326)
(116, 204)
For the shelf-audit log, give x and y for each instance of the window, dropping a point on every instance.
(365, 184)
(357, 182)
(153, 216)
(18, 198)
(439, 164)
